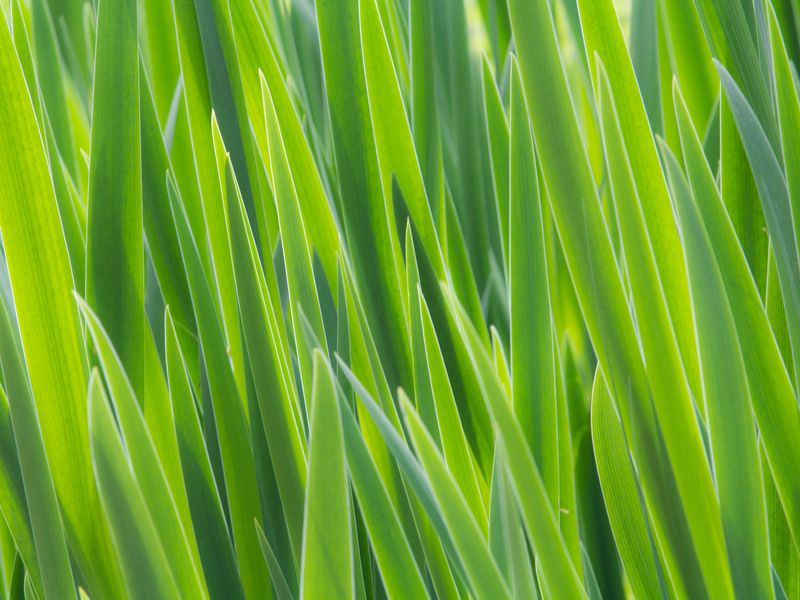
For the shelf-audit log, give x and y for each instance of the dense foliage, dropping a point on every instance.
(400, 298)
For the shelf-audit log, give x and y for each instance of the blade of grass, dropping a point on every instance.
(142, 558)
(734, 448)
(533, 376)
(327, 566)
(52, 563)
(114, 247)
(40, 275)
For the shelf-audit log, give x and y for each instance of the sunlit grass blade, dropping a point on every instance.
(538, 515)
(39, 269)
(210, 526)
(52, 564)
(775, 202)
(327, 548)
(772, 394)
(734, 447)
(236, 452)
(533, 374)
(367, 215)
(143, 560)
(624, 501)
(115, 245)
(145, 465)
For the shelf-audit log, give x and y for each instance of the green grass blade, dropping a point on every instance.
(39, 270)
(397, 155)
(327, 546)
(398, 569)
(772, 394)
(145, 464)
(604, 42)
(533, 375)
(45, 519)
(208, 518)
(115, 248)
(775, 203)
(788, 105)
(537, 513)
(468, 540)
(624, 502)
(734, 447)
(235, 449)
(142, 558)
(274, 382)
(367, 215)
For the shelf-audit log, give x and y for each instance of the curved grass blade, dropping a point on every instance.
(468, 540)
(772, 395)
(538, 516)
(52, 565)
(142, 558)
(146, 466)
(776, 204)
(624, 502)
(238, 463)
(42, 283)
(734, 447)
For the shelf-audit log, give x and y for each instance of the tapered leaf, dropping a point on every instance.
(39, 270)
(533, 376)
(327, 548)
(115, 245)
(142, 557)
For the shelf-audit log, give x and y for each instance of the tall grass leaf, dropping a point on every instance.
(208, 519)
(591, 262)
(398, 569)
(605, 43)
(368, 219)
(162, 239)
(53, 564)
(142, 558)
(734, 447)
(468, 540)
(236, 452)
(537, 513)
(668, 381)
(624, 502)
(42, 283)
(327, 567)
(424, 113)
(12, 495)
(208, 224)
(115, 247)
(49, 77)
(775, 202)
(397, 155)
(497, 134)
(772, 395)
(145, 465)
(533, 374)
(282, 590)
(788, 107)
(303, 294)
(274, 383)
(455, 447)
(258, 63)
